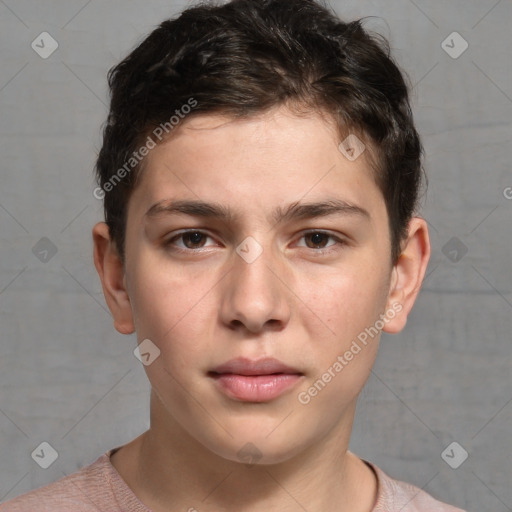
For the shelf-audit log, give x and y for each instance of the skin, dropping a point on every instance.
(295, 302)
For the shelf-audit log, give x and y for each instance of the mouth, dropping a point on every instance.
(263, 380)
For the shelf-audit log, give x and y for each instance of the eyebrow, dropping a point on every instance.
(294, 210)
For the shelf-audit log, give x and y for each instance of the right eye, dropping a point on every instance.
(191, 240)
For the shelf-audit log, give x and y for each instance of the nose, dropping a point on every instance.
(255, 294)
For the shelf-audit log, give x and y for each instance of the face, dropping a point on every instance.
(256, 239)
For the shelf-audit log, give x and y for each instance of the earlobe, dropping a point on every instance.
(111, 272)
(407, 275)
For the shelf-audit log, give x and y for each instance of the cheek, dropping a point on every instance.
(171, 308)
(345, 351)
(160, 294)
(345, 303)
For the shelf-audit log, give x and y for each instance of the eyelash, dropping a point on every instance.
(321, 251)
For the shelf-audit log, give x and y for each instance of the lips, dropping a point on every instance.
(266, 366)
(254, 381)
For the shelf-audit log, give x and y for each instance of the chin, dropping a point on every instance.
(258, 449)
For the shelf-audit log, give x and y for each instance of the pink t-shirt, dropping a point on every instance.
(99, 487)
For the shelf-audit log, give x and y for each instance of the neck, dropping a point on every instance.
(166, 465)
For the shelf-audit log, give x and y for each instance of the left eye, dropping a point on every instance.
(317, 238)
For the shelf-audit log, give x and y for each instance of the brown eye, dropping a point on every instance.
(187, 241)
(317, 239)
(321, 242)
(195, 238)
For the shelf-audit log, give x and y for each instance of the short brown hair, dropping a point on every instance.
(246, 56)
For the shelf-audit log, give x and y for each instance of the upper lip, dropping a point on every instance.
(244, 366)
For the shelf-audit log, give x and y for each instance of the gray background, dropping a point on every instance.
(69, 379)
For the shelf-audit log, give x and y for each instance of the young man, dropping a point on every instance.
(260, 172)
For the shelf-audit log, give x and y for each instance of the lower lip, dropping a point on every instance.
(256, 388)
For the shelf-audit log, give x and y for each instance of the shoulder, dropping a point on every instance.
(86, 490)
(395, 495)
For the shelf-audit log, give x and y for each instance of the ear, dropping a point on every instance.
(407, 275)
(110, 269)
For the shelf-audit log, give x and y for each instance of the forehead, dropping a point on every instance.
(256, 164)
